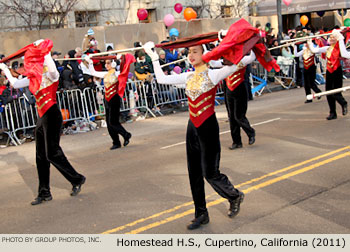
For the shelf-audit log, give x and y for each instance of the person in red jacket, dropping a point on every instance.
(43, 82)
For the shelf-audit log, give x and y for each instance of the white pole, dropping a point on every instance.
(106, 53)
(334, 91)
(305, 38)
(174, 62)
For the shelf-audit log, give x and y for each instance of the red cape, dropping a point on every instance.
(239, 40)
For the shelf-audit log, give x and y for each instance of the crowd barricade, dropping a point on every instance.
(286, 77)
(134, 98)
(259, 85)
(22, 117)
(163, 94)
(71, 104)
(5, 125)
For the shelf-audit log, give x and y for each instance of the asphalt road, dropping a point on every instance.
(296, 176)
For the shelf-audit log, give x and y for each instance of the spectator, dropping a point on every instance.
(55, 55)
(87, 38)
(162, 61)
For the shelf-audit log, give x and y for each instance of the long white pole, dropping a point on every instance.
(174, 62)
(334, 91)
(106, 53)
(305, 38)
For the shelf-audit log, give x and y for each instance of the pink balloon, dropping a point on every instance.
(178, 7)
(142, 14)
(177, 69)
(287, 2)
(169, 20)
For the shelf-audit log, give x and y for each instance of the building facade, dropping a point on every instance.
(87, 13)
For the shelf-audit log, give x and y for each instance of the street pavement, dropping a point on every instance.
(296, 176)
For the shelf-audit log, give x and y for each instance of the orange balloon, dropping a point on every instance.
(303, 20)
(190, 14)
(65, 114)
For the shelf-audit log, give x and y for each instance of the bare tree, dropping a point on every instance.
(35, 13)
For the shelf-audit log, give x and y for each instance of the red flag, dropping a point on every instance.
(126, 61)
(34, 61)
(239, 40)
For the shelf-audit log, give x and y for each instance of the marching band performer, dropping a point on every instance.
(202, 137)
(236, 99)
(309, 69)
(114, 82)
(334, 74)
(42, 79)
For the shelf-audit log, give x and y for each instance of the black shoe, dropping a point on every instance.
(345, 109)
(235, 146)
(197, 222)
(235, 205)
(77, 188)
(115, 146)
(332, 116)
(40, 199)
(308, 101)
(251, 140)
(127, 139)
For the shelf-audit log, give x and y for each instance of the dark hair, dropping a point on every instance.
(109, 48)
(14, 65)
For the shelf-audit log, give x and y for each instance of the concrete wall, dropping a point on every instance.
(122, 36)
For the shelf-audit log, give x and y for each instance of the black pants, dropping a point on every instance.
(203, 159)
(309, 80)
(112, 117)
(237, 105)
(335, 80)
(48, 150)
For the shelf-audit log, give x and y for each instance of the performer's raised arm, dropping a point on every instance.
(343, 52)
(316, 50)
(296, 53)
(178, 79)
(92, 70)
(52, 73)
(15, 83)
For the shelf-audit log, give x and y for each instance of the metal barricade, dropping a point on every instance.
(5, 125)
(23, 117)
(166, 94)
(71, 104)
(286, 77)
(93, 101)
(134, 98)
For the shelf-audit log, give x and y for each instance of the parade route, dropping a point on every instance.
(296, 176)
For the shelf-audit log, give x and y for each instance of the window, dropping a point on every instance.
(51, 20)
(86, 18)
(226, 11)
(152, 16)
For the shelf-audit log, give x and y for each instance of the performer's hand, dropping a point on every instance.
(148, 47)
(336, 34)
(222, 34)
(36, 43)
(119, 56)
(3, 66)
